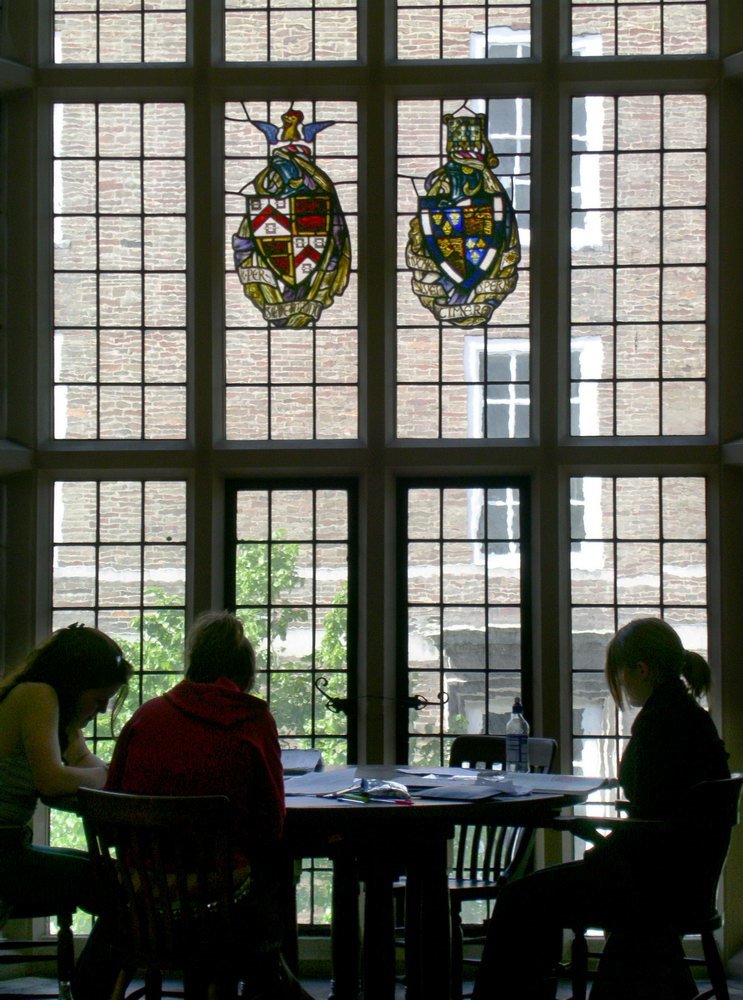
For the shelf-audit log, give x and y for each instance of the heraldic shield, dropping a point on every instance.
(292, 250)
(463, 246)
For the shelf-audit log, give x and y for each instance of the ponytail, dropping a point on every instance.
(696, 672)
(654, 642)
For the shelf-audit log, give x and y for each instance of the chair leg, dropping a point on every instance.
(457, 950)
(65, 954)
(153, 985)
(579, 965)
(715, 968)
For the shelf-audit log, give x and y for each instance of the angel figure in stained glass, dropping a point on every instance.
(292, 250)
(463, 246)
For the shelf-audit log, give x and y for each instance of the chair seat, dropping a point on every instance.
(474, 888)
(680, 924)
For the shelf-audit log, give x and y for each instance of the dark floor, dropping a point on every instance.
(319, 988)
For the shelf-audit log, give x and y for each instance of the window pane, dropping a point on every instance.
(629, 27)
(639, 249)
(126, 31)
(450, 29)
(119, 271)
(461, 381)
(638, 551)
(292, 591)
(292, 594)
(119, 563)
(290, 30)
(464, 608)
(290, 282)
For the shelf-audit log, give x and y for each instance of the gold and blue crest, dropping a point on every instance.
(463, 246)
(293, 250)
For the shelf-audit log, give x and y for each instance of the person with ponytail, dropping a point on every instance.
(638, 869)
(674, 743)
(75, 674)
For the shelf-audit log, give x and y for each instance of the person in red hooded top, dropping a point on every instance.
(209, 736)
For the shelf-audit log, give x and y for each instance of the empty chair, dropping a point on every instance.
(486, 856)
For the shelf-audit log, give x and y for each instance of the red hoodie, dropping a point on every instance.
(207, 739)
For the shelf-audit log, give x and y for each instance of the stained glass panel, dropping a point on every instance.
(119, 271)
(119, 31)
(639, 250)
(455, 382)
(291, 358)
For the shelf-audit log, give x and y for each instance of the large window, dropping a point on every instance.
(232, 377)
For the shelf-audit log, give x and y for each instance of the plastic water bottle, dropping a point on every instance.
(517, 739)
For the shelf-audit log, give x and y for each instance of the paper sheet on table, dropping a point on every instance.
(438, 775)
(418, 777)
(466, 791)
(300, 761)
(558, 783)
(320, 782)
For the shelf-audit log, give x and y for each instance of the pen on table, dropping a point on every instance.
(368, 801)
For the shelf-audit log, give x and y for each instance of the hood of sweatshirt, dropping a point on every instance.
(220, 703)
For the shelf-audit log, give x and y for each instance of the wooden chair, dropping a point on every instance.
(167, 864)
(713, 809)
(487, 857)
(24, 951)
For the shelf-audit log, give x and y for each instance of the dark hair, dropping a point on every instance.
(72, 660)
(654, 642)
(218, 647)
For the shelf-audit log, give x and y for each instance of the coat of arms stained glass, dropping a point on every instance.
(293, 250)
(463, 246)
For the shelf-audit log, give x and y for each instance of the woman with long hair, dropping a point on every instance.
(673, 746)
(68, 679)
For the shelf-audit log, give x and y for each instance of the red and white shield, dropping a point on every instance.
(290, 233)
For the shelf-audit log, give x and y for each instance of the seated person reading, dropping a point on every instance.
(75, 674)
(636, 870)
(210, 736)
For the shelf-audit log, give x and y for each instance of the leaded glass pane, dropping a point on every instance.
(638, 549)
(464, 602)
(119, 271)
(119, 563)
(639, 275)
(463, 29)
(290, 30)
(639, 27)
(293, 590)
(455, 382)
(119, 31)
(288, 381)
